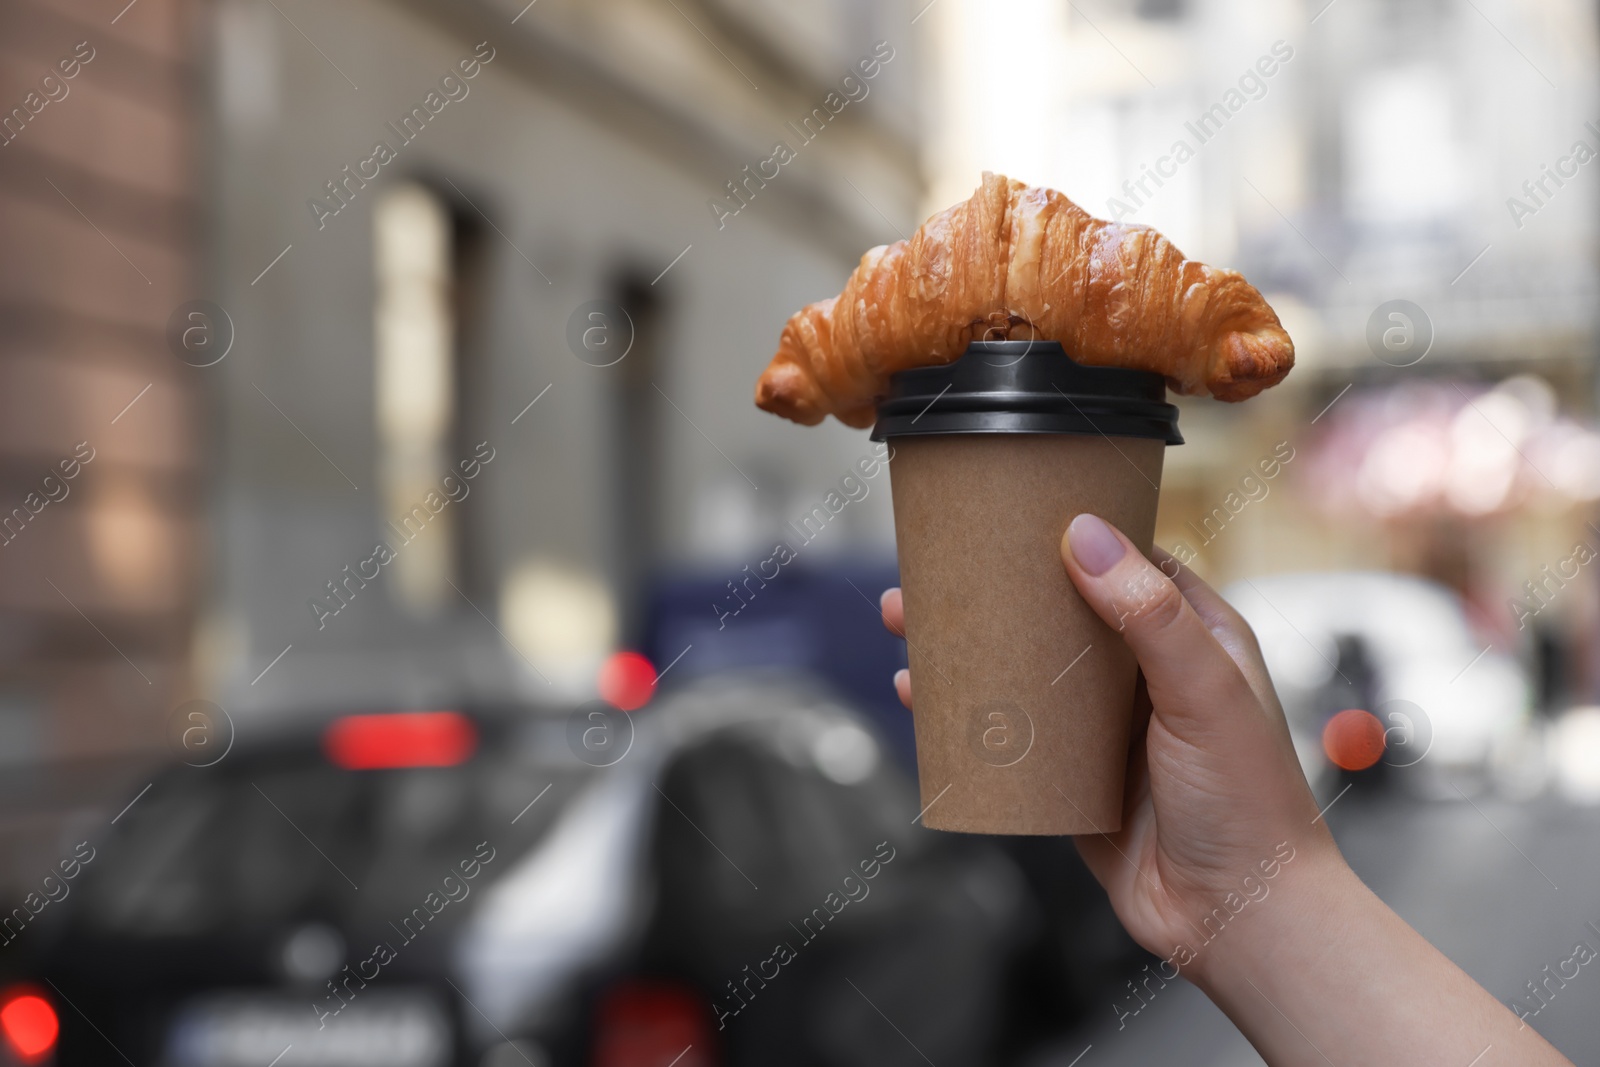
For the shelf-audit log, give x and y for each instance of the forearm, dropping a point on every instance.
(1325, 973)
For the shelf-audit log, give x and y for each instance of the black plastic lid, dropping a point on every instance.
(1026, 387)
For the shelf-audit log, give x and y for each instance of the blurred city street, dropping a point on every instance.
(424, 644)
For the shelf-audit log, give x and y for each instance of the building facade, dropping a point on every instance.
(503, 276)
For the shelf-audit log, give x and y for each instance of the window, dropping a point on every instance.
(416, 392)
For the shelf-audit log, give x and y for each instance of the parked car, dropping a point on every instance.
(730, 876)
(821, 619)
(1400, 647)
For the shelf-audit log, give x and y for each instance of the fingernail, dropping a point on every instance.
(1094, 544)
(899, 674)
(883, 598)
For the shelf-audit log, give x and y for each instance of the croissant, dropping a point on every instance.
(1019, 262)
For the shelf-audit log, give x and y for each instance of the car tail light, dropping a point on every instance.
(627, 681)
(400, 739)
(29, 1023)
(653, 1024)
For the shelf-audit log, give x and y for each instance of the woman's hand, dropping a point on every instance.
(1214, 788)
(1223, 866)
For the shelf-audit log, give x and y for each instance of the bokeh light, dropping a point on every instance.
(1353, 739)
(30, 1025)
(627, 681)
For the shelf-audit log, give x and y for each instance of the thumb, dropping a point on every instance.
(1189, 673)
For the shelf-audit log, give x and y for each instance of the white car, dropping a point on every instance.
(1400, 646)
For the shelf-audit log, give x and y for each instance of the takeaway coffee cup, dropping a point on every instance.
(1024, 696)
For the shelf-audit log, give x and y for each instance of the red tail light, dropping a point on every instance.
(402, 739)
(627, 681)
(29, 1023)
(653, 1024)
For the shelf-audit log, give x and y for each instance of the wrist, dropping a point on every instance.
(1288, 923)
(1322, 971)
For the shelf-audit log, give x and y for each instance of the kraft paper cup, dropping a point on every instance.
(1024, 697)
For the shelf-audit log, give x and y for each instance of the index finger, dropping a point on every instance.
(893, 606)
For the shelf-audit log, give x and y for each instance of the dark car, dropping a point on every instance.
(732, 876)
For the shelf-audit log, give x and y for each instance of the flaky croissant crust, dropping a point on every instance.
(1020, 262)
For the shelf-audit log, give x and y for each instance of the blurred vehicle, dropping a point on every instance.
(1397, 646)
(822, 619)
(818, 619)
(513, 885)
